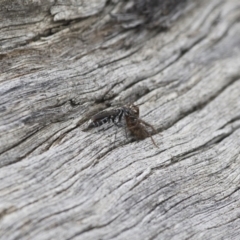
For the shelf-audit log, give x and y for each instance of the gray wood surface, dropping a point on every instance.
(63, 61)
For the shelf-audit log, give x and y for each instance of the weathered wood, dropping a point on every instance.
(61, 62)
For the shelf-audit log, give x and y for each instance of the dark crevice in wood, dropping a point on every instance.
(104, 154)
(235, 119)
(48, 32)
(220, 138)
(139, 159)
(93, 227)
(146, 196)
(45, 140)
(181, 54)
(193, 152)
(17, 144)
(151, 14)
(201, 148)
(200, 105)
(226, 223)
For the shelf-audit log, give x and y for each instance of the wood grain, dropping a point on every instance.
(62, 62)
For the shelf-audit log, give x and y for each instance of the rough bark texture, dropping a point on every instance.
(62, 61)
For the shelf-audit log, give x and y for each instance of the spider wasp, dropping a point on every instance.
(128, 116)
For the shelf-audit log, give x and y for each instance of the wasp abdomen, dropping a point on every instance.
(113, 116)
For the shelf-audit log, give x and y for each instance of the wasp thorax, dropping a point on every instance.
(135, 110)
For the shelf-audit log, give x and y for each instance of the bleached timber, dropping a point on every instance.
(60, 64)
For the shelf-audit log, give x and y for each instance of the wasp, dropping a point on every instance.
(128, 116)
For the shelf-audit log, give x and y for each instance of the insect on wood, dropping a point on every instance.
(128, 116)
